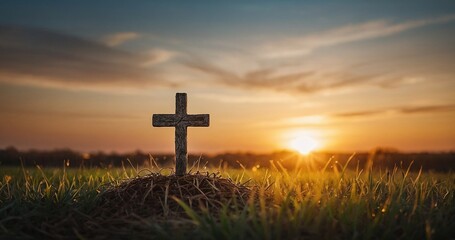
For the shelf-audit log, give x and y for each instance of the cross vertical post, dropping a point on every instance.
(180, 120)
(181, 137)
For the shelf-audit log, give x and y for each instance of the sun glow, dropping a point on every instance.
(304, 142)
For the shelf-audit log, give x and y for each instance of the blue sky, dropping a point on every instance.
(266, 70)
(210, 19)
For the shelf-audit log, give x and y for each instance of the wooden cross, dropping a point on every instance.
(180, 120)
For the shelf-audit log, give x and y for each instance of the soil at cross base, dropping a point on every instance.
(155, 194)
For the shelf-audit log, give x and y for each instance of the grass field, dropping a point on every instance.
(325, 204)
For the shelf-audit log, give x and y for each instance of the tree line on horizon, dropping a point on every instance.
(378, 159)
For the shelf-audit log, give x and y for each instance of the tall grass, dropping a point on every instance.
(331, 203)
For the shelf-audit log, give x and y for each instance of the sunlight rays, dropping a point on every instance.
(303, 141)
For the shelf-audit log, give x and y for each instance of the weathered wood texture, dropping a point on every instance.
(180, 120)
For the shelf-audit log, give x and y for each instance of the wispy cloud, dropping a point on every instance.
(240, 99)
(331, 119)
(355, 32)
(356, 114)
(46, 58)
(105, 116)
(430, 109)
(156, 56)
(255, 71)
(120, 38)
(307, 81)
(263, 78)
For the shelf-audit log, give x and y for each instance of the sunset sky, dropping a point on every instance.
(348, 76)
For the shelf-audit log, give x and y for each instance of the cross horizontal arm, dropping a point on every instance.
(164, 120)
(172, 120)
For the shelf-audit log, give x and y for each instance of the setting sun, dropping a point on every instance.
(303, 144)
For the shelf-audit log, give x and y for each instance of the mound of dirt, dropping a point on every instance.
(154, 195)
